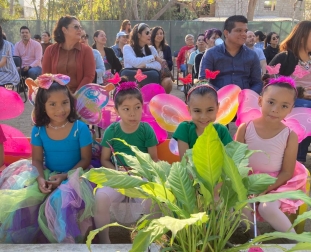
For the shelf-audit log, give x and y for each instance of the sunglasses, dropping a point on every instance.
(84, 37)
(77, 27)
(275, 38)
(147, 33)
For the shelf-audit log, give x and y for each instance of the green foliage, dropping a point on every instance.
(201, 198)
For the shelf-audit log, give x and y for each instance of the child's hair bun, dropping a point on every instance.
(265, 79)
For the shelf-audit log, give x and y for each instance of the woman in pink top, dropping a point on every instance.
(279, 147)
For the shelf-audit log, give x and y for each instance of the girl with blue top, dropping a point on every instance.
(203, 106)
(61, 150)
(128, 105)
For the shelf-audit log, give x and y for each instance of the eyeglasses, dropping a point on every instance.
(77, 27)
(200, 40)
(275, 38)
(124, 36)
(147, 33)
(84, 37)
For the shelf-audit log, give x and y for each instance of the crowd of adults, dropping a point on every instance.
(241, 56)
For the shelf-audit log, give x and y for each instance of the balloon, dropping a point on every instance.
(161, 134)
(108, 115)
(169, 111)
(228, 103)
(17, 144)
(11, 104)
(173, 145)
(150, 90)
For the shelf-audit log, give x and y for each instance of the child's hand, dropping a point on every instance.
(44, 187)
(56, 180)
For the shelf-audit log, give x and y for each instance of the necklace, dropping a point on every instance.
(305, 64)
(58, 127)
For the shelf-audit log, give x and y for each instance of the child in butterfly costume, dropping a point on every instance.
(279, 149)
(47, 194)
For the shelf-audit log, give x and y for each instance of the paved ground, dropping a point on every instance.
(119, 235)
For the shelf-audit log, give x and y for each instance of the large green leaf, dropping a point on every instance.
(158, 191)
(297, 195)
(94, 232)
(302, 217)
(301, 246)
(257, 183)
(113, 178)
(208, 157)
(182, 188)
(303, 237)
(146, 236)
(133, 193)
(175, 225)
(144, 159)
(231, 171)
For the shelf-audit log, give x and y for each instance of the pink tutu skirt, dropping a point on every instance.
(297, 182)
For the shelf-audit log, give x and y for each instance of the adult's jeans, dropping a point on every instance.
(33, 72)
(304, 145)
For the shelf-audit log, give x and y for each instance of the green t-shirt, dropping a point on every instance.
(143, 138)
(186, 132)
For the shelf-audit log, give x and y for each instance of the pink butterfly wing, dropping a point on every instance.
(228, 103)
(273, 69)
(299, 120)
(160, 133)
(248, 106)
(169, 111)
(11, 104)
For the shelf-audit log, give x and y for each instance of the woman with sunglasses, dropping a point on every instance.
(271, 46)
(140, 54)
(296, 51)
(68, 56)
(126, 26)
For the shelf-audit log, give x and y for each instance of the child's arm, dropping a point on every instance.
(37, 161)
(182, 148)
(288, 164)
(105, 158)
(153, 153)
(240, 134)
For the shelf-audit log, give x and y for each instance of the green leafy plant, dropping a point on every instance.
(201, 198)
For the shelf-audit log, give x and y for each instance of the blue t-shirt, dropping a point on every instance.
(62, 155)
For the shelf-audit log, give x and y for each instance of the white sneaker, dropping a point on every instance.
(182, 89)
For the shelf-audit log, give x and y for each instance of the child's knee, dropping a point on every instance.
(268, 208)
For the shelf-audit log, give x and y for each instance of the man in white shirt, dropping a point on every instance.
(250, 42)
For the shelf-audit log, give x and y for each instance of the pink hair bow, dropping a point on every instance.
(46, 80)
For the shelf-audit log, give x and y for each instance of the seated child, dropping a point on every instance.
(128, 105)
(203, 106)
(279, 145)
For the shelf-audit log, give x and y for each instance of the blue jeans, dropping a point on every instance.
(34, 72)
(304, 145)
(183, 69)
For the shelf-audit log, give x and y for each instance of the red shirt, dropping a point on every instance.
(2, 136)
(182, 54)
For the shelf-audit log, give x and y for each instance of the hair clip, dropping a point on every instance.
(211, 74)
(140, 76)
(273, 69)
(115, 80)
(187, 80)
(46, 80)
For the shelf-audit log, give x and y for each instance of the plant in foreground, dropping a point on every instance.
(201, 198)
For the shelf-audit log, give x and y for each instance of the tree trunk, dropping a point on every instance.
(164, 9)
(251, 9)
(135, 10)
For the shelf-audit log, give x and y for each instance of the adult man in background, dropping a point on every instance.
(237, 64)
(31, 53)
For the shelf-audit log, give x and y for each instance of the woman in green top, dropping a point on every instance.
(203, 106)
(128, 105)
